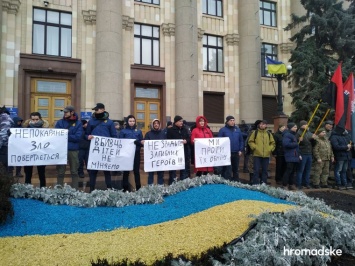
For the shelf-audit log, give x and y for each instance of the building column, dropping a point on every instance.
(250, 99)
(186, 54)
(108, 57)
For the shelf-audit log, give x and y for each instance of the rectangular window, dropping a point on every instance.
(213, 107)
(267, 13)
(52, 33)
(146, 45)
(212, 7)
(154, 2)
(267, 50)
(212, 53)
(269, 108)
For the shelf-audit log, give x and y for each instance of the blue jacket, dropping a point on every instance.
(291, 147)
(101, 127)
(132, 133)
(235, 135)
(75, 131)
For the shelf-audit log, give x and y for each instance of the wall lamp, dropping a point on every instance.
(46, 3)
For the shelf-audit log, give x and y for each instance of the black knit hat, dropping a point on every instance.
(177, 118)
(290, 125)
(229, 118)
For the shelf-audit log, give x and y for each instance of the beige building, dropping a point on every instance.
(150, 58)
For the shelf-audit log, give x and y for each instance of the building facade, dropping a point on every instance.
(150, 58)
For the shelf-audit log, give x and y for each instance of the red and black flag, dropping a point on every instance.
(349, 99)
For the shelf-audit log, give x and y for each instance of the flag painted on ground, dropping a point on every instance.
(340, 113)
(275, 67)
(349, 93)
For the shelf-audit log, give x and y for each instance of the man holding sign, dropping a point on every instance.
(100, 125)
(235, 135)
(75, 130)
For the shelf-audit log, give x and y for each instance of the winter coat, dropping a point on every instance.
(75, 131)
(132, 133)
(323, 149)
(175, 132)
(5, 124)
(103, 127)
(279, 149)
(263, 144)
(290, 146)
(306, 145)
(340, 146)
(201, 132)
(235, 136)
(155, 134)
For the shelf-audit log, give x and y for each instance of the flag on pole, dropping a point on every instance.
(337, 81)
(275, 67)
(349, 93)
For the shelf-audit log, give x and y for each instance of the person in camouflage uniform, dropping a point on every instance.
(323, 155)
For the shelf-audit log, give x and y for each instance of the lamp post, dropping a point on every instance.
(280, 78)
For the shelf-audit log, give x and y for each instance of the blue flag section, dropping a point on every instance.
(275, 67)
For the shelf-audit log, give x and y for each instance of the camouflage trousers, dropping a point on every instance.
(320, 173)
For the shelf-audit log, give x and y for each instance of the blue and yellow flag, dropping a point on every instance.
(275, 67)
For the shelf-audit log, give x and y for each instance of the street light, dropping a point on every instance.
(280, 78)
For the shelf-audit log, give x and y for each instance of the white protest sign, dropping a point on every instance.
(37, 146)
(211, 152)
(163, 155)
(111, 154)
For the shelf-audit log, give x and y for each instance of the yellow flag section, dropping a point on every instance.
(190, 235)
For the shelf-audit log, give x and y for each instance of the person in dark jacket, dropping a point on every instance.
(306, 142)
(178, 131)
(341, 144)
(132, 132)
(17, 124)
(35, 121)
(233, 132)
(100, 125)
(292, 155)
(84, 146)
(279, 154)
(75, 131)
(155, 133)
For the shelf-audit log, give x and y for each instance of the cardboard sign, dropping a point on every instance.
(37, 146)
(111, 154)
(163, 155)
(211, 152)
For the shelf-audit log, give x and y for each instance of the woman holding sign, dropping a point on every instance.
(201, 131)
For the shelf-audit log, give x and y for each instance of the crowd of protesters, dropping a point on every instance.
(303, 159)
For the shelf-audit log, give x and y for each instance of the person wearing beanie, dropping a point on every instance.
(70, 122)
(179, 131)
(323, 155)
(100, 125)
(132, 132)
(155, 133)
(292, 155)
(341, 144)
(306, 142)
(233, 132)
(279, 154)
(262, 144)
(328, 126)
